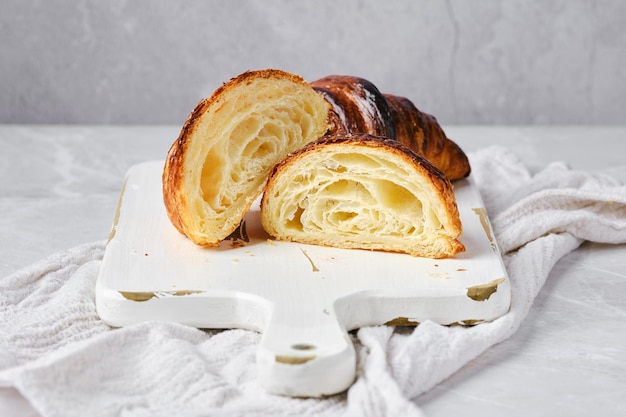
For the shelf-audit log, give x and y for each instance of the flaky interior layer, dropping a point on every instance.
(244, 138)
(355, 198)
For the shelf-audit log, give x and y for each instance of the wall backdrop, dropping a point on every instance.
(466, 62)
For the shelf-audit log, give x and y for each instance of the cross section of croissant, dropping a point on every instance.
(362, 191)
(220, 162)
(357, 106)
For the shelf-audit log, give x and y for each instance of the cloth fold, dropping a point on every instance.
(66, 362)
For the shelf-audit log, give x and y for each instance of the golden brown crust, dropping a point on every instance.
(421, 132)
(444, 240)
(359, 107)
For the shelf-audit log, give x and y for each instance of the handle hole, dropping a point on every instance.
(302, 346)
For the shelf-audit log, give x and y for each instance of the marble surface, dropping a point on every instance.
(478, 62)
(59, 187)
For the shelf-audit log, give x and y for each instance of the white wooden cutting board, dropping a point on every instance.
(302, 298)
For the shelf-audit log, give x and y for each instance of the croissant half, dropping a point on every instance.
(362, 191)
(359, 107)
(227, 147)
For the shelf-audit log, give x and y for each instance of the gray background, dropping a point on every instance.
(467, 62)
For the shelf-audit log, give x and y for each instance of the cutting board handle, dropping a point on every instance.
(305, 353)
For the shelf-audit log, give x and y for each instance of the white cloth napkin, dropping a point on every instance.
(66, 362)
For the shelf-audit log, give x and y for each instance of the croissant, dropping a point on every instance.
(362, 191)
(220, 162)
(357, 106)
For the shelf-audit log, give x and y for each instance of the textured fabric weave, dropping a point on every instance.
(66, 362)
